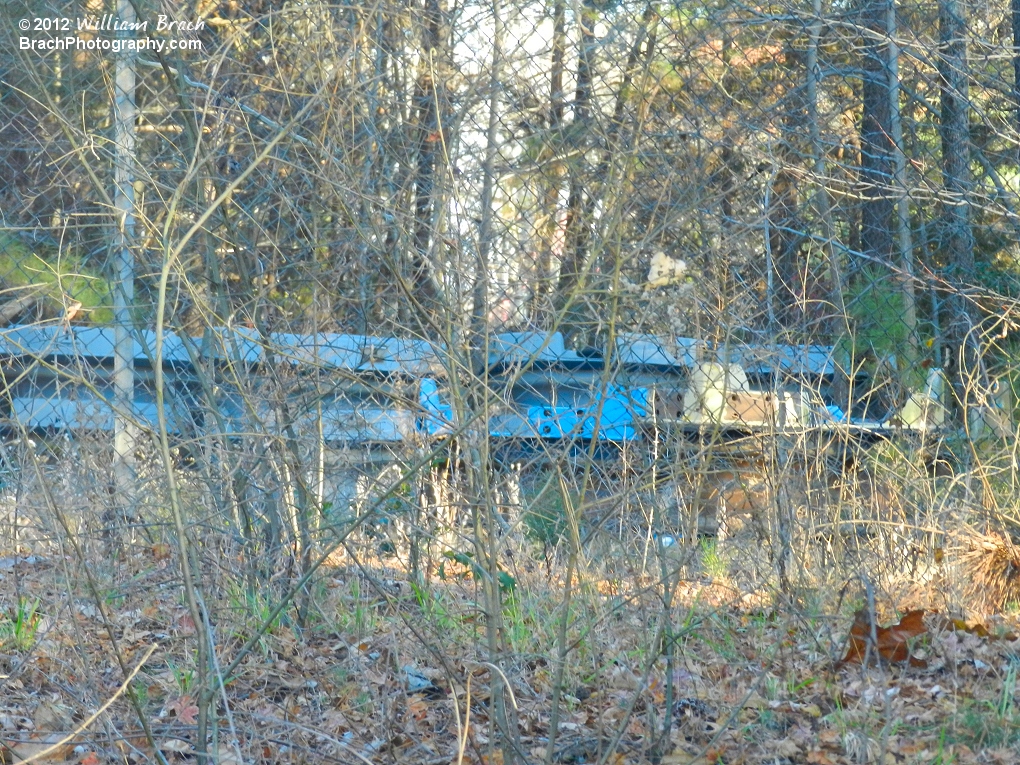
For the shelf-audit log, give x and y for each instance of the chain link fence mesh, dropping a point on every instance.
(441, 286)
(364, 225)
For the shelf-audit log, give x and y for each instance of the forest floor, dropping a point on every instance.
(386, 672)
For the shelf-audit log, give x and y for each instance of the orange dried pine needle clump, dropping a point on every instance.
(891, 643)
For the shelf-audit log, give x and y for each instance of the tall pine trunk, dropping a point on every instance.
(786, 236)
(876, 175)
(1015, 12)
(428, 100)
(955, 135)
(578, 225)
(550, 229)
(958, 237)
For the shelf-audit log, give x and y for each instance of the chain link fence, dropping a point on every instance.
(740, 177)
(750, 180)
(428, 277)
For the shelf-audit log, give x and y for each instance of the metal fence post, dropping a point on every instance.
(125, 113)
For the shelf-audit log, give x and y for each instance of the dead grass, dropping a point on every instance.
(673, 652)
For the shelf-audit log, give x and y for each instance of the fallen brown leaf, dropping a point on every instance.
(890, 642)
(185, 709)
(37, 745)
(49, 716)
(785, 748)
(227, 755)
(174, 745)
(973, 628)
(682, 758)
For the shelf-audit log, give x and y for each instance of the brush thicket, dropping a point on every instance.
(990, 568)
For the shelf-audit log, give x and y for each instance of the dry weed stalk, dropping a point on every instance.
(990, 568)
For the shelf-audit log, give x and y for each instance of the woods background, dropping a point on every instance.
(800, 173)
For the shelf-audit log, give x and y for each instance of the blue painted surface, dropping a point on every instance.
(836, 413)
(616, 421)
(438, 414)
(556, 394)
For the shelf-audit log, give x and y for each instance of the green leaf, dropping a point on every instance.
(462, 558)
(506, 582)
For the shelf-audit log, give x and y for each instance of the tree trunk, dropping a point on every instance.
(578, 225)
(588, 186)
(785, 225)
(551, 223)
(485, 229)
(1015, 11)
(885, 216)
(905, 250)
(876, 144)
(958, 239)
(822, 200)
(955, 134)
(428, 99)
